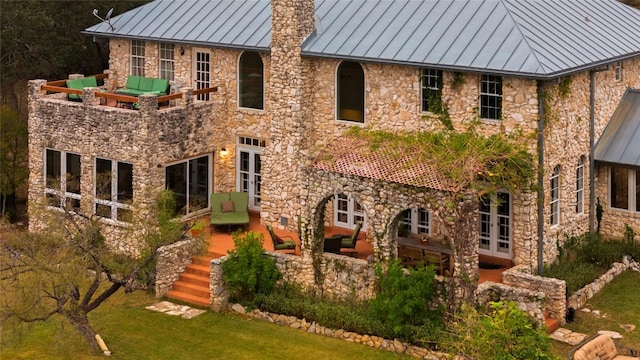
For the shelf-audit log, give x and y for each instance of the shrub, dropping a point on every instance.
(404, 296)
(247, 271)
(508, 330)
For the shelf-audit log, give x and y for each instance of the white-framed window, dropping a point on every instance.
(491, 97)
(348, 212)
(190, 182)
(618, 71)
(580, 186)
(350, 92)
(113, 190)
(250, 141)
(137, 58)
(554, 187)
(167, 61)
(251, 81)
(62, 179)
(416, 221)
(624, 188)
(431, 90)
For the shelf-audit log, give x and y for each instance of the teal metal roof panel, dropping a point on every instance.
(620, 141)
(534, 38)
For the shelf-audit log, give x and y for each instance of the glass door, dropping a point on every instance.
(348, 212)
(495, 225)
(249, 175)
(202, 71)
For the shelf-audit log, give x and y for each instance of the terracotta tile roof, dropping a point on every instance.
(354, 156)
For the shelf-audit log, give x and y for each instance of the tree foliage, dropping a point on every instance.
(247, 271)
(14, 170)
(68, 270)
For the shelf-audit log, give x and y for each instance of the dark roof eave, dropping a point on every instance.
(528, 75)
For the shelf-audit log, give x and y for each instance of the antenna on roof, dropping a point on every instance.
(107, 19)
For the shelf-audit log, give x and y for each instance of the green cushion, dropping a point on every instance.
(89, 82)
(75, 84)
(146, 84)
(133, 82)
(127, 91)
(160, 85)
(151, 93)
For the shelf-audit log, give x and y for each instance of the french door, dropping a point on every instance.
(495, 225)
(347, 212)
(190, 181)
(249, 175)
(202, 71)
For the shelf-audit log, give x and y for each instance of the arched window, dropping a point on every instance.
(554, 219)
(251, 81)
(580, 186)
(350, 92)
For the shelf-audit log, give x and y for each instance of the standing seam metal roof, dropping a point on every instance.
(620, 141)
(534, 38)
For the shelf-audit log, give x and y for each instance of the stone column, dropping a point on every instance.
(36, 155)
(283, 158)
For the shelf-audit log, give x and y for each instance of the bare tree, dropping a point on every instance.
(67, 269)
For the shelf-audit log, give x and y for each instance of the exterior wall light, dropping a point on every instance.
(224, 152)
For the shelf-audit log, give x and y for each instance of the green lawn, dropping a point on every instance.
(132, 332)
(620, 301)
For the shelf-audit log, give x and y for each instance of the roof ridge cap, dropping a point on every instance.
(507, 8)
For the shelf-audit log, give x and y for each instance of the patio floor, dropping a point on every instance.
(221, 241)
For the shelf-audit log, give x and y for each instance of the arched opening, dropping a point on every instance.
(251, 81)
(350, 92)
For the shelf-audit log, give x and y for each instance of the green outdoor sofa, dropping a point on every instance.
(139, 85)
(230, 208)
(79, 84)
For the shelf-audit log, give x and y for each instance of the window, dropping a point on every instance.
(166, 61)
(114, 190)
(415, 221)
(348, 212)
(250, 84)
(580, 186)
(62, 191)
(555, 196)
(190, 182)
(617, 68)
(624, 188)
(137, 57)
(350, 92)
(431, 90)
(491, 97)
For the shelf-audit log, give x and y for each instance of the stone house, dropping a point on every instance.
(293, 75)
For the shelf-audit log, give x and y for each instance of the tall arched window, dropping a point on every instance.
(554, 219)
(580, 186)
(251, 81)
(350, 92)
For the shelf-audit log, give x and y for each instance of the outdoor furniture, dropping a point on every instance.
(79, 84)
(412, 252)
(332, 244)
(601, 347)
(281, 242)
(350, 241)
(230, 208)
(139, 85)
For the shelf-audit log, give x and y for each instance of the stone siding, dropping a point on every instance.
(530, 301)
(171, 262)
(580, 297)
(555, 290)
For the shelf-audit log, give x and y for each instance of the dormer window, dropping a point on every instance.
(251, 83)
(431, 90)
(137, 58)
(350, 92)
(491, 97)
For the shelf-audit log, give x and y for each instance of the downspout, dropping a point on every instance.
(592, 136)
(541, 100)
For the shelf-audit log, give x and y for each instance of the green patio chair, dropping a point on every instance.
(281, 242)
(349, 242)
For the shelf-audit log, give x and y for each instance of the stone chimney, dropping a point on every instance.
(290, 105)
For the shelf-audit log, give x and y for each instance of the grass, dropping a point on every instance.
(133, 332)
(619, 300)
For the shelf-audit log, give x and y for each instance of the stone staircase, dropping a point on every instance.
(192, 286)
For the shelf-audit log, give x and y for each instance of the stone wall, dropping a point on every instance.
(580, 297)
(530, 301)
(171, 262)
(555, 290)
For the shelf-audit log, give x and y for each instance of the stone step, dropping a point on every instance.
(201, 260)
(188, 298)
(551, 324)
(194, 279)
(193, 289)
(196, 269)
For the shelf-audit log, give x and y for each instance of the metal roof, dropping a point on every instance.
(620, 141)
(533, 38)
